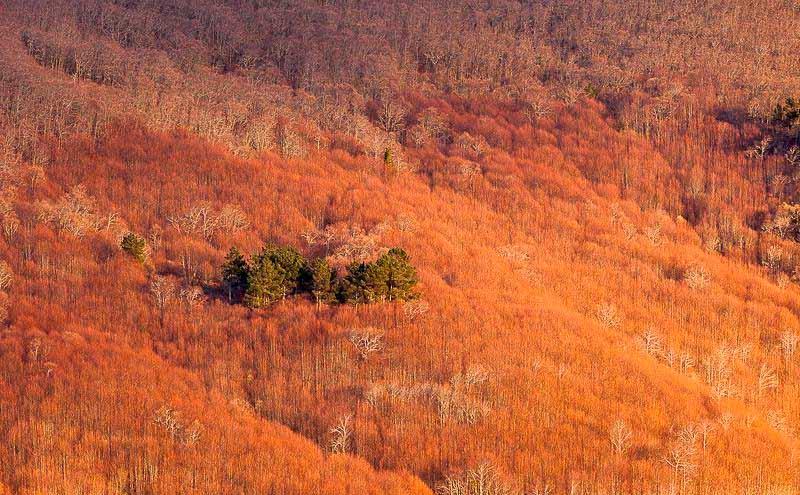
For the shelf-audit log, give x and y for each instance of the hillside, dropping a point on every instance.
(598, 199)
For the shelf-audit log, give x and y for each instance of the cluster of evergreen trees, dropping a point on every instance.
(278, 272)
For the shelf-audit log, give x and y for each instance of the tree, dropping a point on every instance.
(620, 435)
(341, 435)
(366, 342)
(135, 246)
(787, 115)
(358, 286)
(288, 264)
(319, 279)
(388, 159)
(390, 278)
(391, 116)
(394, 276)
(234, 273)
(162, 290)
(265, 283)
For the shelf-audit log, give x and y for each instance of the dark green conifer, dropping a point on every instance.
(135, 246)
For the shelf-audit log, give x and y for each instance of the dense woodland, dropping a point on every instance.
(369, 247)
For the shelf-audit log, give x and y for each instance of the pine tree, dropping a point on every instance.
(234, 274)
(135, 246)
(394, 277)
(388, 159)
(391, 278)
(358, 286)
(264, 283)
(320, 280)
(288, 263)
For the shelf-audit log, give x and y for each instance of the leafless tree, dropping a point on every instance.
(608, 315)
(788, 345)
(620, 436)
(483, 480)
(725, 420)
(341, 435)
(6, 275)
(162, 291)
(792, 156)
(681, 456)
(653, 234)
(191, 296)
(651, 342)
(697, 277)
(718, 372)
(767, 379)
(391, 116)
(760, 151)
(75, 212)
(414, 310)
(705, 428)
(366, 342)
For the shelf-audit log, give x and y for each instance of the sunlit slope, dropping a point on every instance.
(554, 310)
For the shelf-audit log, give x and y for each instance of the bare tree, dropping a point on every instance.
(483, 480)
(367, 342)
(705, 428)
(620, 436)
(718, 372)
(681, 456)
(608, 315)
(697, 277)
(391, 116)
(414, 310)
(191, 296)
(341, 435)
(162, 290)
(788, 345)
(6, 275)
(760, 151)
(651, 342)
(767, 379)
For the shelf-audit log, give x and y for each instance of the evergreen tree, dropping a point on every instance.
(787, 114)
(393, 276)
(264, 283)
(358, 286)
(390, 278)
(320, 280)
(234, 274)
(135, 246)
(288, 263)
(388, 159)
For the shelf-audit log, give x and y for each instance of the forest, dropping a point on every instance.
(451, 247)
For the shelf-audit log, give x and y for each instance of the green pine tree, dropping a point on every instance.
(264, 283)
(394, 277)
(234, 274)
(288, 263)
(135, 246)
(357, 287)
(388, 159)
(320, 280)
